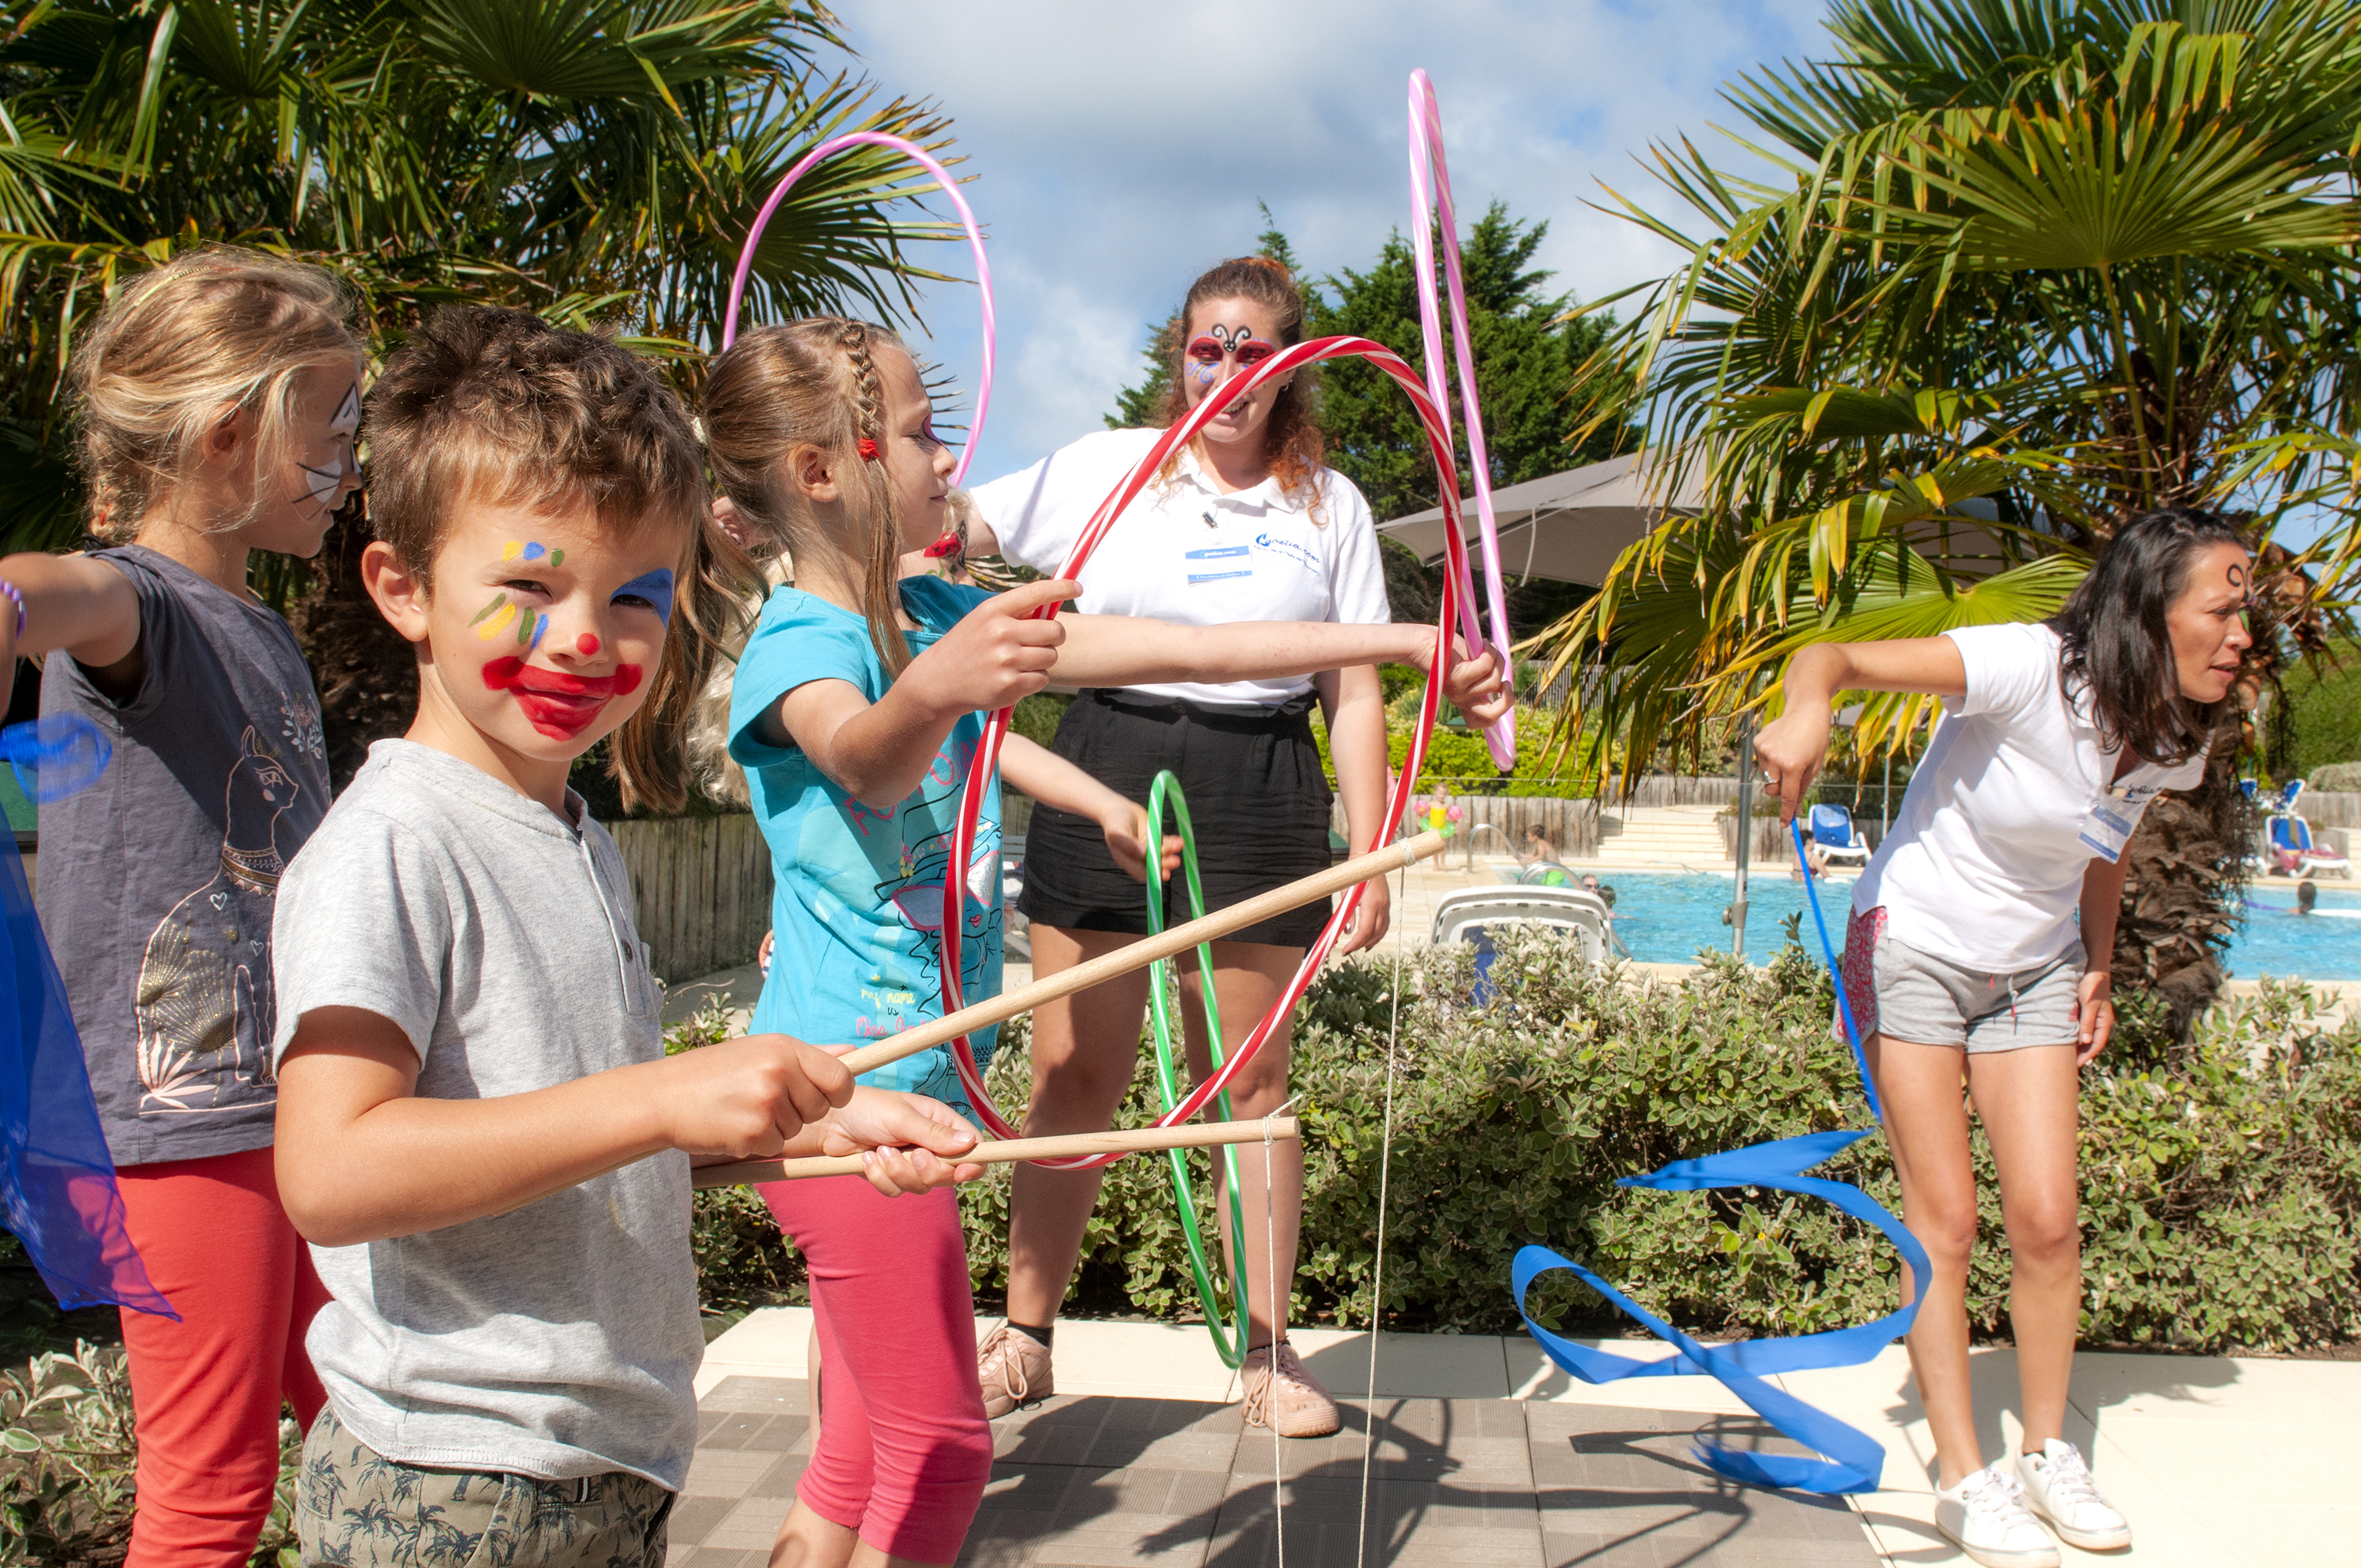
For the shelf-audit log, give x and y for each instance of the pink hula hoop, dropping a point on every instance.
(1425, 149)
(1429, 400)
(918, 154)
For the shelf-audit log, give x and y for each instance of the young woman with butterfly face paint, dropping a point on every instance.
(1243, 524)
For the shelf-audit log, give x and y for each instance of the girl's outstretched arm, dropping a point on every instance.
(877, 752)
(85, 607)
(1129, 651)
(1792, 747)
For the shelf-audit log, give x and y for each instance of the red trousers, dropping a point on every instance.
(205, 1391)
(903, 1451)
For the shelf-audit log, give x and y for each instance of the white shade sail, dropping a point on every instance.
(1568, 527)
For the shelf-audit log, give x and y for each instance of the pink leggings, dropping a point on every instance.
(205, 1391)
(903, 1450)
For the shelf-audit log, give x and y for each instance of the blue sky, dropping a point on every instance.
(1121, 149)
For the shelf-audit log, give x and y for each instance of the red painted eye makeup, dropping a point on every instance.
(1211, 349)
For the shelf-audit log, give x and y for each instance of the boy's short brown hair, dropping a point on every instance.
(500, 406)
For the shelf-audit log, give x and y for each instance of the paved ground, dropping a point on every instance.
(1112, 1482)
(1487, 1455)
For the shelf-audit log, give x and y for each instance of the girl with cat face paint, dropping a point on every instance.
(220, 397)
(1244, 523)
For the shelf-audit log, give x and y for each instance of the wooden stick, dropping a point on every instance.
(1197, 1136)
(1146, 951)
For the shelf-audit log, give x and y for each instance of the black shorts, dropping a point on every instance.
(1257, 798)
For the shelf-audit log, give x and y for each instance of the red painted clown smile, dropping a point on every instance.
(558, 705)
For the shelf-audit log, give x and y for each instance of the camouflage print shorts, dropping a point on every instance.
(354, 1505)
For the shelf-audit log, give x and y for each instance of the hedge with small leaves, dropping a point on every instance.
(2222, 1181)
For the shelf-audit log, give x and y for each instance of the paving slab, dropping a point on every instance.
(1105, 1481)
(1477, 1450)
(1442, 1366)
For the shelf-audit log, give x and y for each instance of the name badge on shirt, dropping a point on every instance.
(2115, 816)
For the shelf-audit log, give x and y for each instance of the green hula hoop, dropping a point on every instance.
(1229, 1334)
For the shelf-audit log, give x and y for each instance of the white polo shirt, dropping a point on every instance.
(1185, 552)
(1984, 864)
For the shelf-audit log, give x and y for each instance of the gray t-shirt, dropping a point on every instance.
(560, 1340)
(156, 881)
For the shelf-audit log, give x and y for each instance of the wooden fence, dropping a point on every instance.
(2330, 808)
(1572, 825)
(702, 891)
(1682, 789)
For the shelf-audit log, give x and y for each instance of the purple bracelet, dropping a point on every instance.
(17, 597)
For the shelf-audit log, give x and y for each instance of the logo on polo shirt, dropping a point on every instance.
(1291, 550)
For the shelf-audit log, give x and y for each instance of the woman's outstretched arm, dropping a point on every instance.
(1792, 747)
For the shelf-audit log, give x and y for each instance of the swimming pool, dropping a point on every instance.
(1666, 918)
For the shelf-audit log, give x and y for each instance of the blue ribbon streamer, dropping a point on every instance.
(1855, 1461)
(58, 1193)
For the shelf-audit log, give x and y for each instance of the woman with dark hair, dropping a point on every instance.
(1963, 959)
(1243, 523)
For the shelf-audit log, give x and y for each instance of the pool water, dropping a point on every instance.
(1666, 918)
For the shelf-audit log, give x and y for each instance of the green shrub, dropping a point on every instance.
(2320, 722)
(2222, 1179)
(67, 1452)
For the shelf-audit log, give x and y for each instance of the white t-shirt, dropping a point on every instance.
(2014, 797)
(1187, 553)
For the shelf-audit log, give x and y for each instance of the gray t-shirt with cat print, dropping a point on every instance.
(156, 884)
(559, 1340)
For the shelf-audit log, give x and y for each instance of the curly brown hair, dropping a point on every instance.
(1294, 440)
(498, 405)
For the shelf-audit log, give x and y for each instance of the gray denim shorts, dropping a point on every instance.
(1909, 995)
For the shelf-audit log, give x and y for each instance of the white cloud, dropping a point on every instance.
(1120, 148)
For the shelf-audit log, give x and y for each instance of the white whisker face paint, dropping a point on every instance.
(321, 483)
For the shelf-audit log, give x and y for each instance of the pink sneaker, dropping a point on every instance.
(1285, 1395)
(1014, 1368)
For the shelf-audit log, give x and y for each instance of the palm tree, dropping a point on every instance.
(2025, 269)
(596, 160)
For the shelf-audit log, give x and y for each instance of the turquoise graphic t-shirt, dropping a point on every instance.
(858, 904)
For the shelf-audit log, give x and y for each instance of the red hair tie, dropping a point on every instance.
(868, 450)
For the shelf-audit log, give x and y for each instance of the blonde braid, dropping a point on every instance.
(881, 560)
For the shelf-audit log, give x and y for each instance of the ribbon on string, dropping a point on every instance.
(987, 758)
(57, 1194)
(927, 160)
(1426, 214)
(1854, 1461)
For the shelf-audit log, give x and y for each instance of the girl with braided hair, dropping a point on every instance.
(856, 711)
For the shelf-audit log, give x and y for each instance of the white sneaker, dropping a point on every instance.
(1984, 1516)
(2059, 1487)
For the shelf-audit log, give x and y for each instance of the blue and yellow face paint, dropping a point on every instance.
(502, 612)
